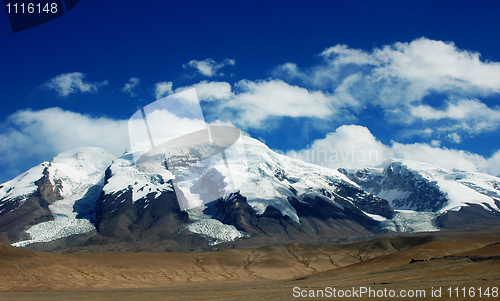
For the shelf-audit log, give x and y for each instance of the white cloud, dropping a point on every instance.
(472, 115)
(350, 146)
(343, 55)
(128, 88)
(353, 146)
(439, 66)
(206, 91)
(31, 137)
(455, 137)
(163, 89)
(209, 67)
(460, 110)
(210, 91)
(398, 78)
(251, 103)
(492, 165)
(440, 156)
(403, 73)
(68, 83)
(259, 100)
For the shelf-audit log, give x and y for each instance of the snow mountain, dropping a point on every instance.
(441, 198)
(276, 197)
(55, 199)
(88, 198)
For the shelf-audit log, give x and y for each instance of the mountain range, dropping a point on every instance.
(87, 198)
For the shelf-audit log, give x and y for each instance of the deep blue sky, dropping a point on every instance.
(152, 40)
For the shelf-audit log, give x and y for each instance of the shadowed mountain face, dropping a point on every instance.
(17, 217)
(319, 220)
(90, 199)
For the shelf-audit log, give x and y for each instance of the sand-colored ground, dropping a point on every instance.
(268, 273)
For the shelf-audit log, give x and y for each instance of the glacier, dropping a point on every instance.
(78, 174)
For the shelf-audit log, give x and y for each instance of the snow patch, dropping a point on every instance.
(393, 194)
(385, 223)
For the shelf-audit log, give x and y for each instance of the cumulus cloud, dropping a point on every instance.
(455, 137)
(353, 146)
(68, 83)
(209, 67)
(403, 72)
(440, 156)
(255, 101)
(438, 66)
(163, 89)
(492, 165)
(350, 146)
(471, 115)
(423, 64)
(411, 82)
(31, 137)
(129, 87)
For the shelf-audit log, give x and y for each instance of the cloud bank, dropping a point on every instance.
(257, 101)
(354, 146)
(31, 137)
(422, 81)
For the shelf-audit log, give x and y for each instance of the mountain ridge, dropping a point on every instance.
(106, 200)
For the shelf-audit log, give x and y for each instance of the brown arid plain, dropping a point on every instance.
(425, 261)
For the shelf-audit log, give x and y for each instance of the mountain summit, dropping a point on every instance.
(86, 197)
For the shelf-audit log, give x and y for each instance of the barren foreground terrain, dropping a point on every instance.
(424, 262)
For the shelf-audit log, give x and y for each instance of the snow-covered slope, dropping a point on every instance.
(18, 189)
(272, 179)
(73, 182)
(123, 175)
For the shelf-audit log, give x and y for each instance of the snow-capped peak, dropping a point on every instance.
(78, 168)
(124, 175)
(458, 187)
(76, 178)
